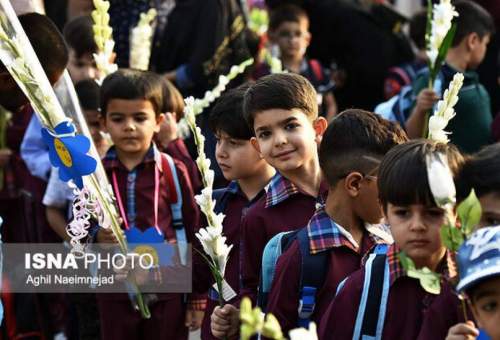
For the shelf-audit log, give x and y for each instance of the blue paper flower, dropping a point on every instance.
(151, 242)
(68, 153)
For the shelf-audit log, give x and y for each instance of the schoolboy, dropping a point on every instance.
(131, 103)
(479, 266)
(289, 31)
(350, 153)
(282, 110)
(79, 36)
(248, 174)
(471, 127)
(480, 172)
(168, 139)
(415, 223)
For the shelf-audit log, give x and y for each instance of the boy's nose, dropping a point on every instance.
(130, 126)
(417, 223)
(279, 139)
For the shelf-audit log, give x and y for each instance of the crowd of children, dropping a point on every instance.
(319, 204)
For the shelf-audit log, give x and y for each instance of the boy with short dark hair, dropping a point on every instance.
(346, 228)
(479, 267)
(480, 172)
(248, 174)
(471, 127)
(381, 301)
(282, 110)
(79, 36)
(131, 103)
(289, 31)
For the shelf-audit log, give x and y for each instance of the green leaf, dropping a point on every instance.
(406, 262)
(451, 237)
(428, 26)
(469, 213)
(429, 280)
(443, 50)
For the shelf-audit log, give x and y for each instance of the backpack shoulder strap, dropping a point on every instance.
(312, 277)
(371, 312)
(316, 69)
(176, 206)
(272, 251)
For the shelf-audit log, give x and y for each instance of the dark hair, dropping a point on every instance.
(88, 94)
(472, 18)
(286, 13)
(356, 140)
(172, 100)
(227, 115)
(47, 42)
(402, 176)
(418, 26)
(79, 36)
(286, 91)
(481, 172)
(133, 84)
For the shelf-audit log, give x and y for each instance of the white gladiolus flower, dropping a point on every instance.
(103, 36)
(440, 180)
(214, 244)
(304, 334)
(140, 41)
(442, 15)
(444, 112)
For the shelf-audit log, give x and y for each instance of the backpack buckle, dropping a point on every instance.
(307, 302)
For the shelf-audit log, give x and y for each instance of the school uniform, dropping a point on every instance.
(136, 189)
(236, 207)
(284, 207)
(344, 258)
(445, 312)
(405, 309)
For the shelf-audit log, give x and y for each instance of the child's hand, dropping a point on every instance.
(463, 331)
(105, 235)
(194, 319)
(426, 100)
(168, 130)
(224, 322)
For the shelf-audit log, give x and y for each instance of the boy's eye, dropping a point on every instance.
(116, 119)
(264, 134)
(490, 306)
(291, 126)
(140, 118)
(401, 212)
(435, 212)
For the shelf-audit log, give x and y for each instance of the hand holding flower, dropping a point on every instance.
(224, 321)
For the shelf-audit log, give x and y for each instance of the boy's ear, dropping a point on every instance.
(320, 125)
(472, 40)
(352, 183)
(159, 119)
(255, 144)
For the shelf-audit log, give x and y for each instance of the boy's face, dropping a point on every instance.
(131, 124)
(490, 205)
(237, 158)
(415, 229)
(478, 48)
(92, 117)
(486, 306)
(292, 38)
(81, 68)
(287, 139)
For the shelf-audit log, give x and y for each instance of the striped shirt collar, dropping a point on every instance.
(111, 161)
(279, 189)
(325, 234)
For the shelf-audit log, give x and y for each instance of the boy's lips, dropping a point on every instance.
(224, 166)
(283, 154)
(419, 243)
